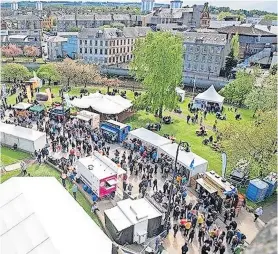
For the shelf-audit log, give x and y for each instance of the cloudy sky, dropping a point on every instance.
(270, 5)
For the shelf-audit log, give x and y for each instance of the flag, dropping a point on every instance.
(224, 164)
(47, 90)
(192, 164)
(29, 96)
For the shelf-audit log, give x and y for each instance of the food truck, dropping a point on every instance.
(117, 130)
(99, 173)
(87, 116)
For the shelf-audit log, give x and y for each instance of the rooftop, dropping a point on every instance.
(215, 24)
(243, 30)
(206, 38)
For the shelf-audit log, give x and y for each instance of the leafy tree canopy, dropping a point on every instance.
(15, 71)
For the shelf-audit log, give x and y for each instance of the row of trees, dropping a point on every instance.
(68, 72)
(253, 141)
(13, 51)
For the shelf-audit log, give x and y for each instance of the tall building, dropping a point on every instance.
(175, 4)
(14, 6)
(147, 6)
(39, 6)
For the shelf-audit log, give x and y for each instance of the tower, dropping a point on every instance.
(147, 5)
(14, 6)
(39, 6)
(175, 4)
(205, 18)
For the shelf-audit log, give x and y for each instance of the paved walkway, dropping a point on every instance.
(12, 167)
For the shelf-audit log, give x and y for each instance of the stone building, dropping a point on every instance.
(205, 53)
(108, 46)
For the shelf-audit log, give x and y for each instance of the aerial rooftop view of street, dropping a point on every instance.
(138, 127)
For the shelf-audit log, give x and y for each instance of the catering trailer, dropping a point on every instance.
(92, 118)
(133, 221)
(99, 173)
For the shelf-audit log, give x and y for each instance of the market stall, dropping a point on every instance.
(59, 112)
(26, 139)
(21, 109)
(116, 130)
(100, 174)
(107, 106)
(149, 137)
(133, 221)
(180, 93)
(38, 110)
(193, 163)
(210, 96)
(90, 117)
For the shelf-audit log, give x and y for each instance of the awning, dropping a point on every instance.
(107, 129)
(206, 185)
(82, 118)
(112, 182)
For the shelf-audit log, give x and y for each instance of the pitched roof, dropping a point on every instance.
(242, 30)
(214, 24)
(207, 38)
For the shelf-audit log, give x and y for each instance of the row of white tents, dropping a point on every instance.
(166, 146)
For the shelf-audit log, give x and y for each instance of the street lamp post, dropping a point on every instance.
(185, 145)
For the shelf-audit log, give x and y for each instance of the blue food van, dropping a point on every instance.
(116, 130)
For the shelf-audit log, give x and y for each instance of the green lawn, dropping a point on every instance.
(9, 156)
(21, 60)
(186, 132)
(45, 170)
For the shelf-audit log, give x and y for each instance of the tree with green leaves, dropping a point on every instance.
(270, 17)
(48, 72)
(88, 74)
(235, 45)
(237, 90)
(158, 62)
(15, 72)
(255, 142)
(230, 63)
(264, 97)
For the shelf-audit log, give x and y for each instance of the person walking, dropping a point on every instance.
(74, 190)
(187, 227)
(184, 248)
(23, 168)
(155, 184)
(64, 177)
(258, 213)
(176, 229)
(191, 235)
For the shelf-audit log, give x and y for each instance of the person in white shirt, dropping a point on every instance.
(258, 213)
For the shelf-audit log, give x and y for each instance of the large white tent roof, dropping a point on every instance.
(21, 132)
(38, 216)
(22, 105)
(184, 158)
(105, 104)
(149, 137)
(210, 95)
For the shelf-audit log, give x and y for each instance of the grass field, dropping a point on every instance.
(9, 156)
(186, 132)
(48, 171)
(21, 60)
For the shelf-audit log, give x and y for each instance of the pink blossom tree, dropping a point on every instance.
(11, 50)
(31, 51)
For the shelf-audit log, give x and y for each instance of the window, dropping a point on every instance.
(188, 66)
(191, 48)
(120, 58)
(201, 67)
(105, 51)
(105, 60)
(217, 59)
(113, 51)
(124, 42)
(100, 51)
(80, 50)
(121, 42)
(215, 68)
(95, 51)
(198, 49)
(80, 42)
(196, 57)
(189, 57)
(203, 59)
(209, 59)
(101, 43)
(195, 67)
(205, 49)
(117, 50)
(96, 43)
(211, 50)
(85, 50)
(109, 59)
(110, 51)
(127, 57)
(85, 42)
(91, 42)
(218, 50)
(128, 41)
(124, 50)
(121, 50)
(106, 43)
(117, 42)
(124, 58)
(111, 43)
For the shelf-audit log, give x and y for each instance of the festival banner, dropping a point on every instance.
(29, 96)
(47, 90)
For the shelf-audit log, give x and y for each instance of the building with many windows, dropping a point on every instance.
(108, 46)
(205, 53)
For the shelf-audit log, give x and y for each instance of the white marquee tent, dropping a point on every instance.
(181, 93)
(149, 137)
(105, 104)
(210, 95)
(22, 106)
(26, 139)
(185, 158)
(38, 216)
